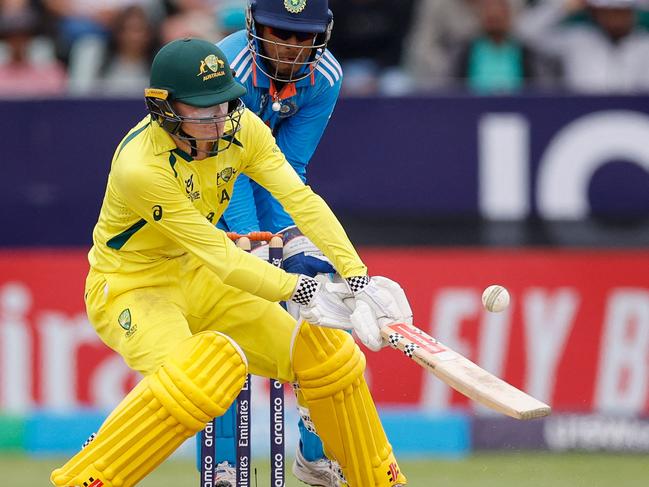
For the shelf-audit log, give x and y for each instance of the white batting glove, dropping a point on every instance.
(321, 302)
(379, 301)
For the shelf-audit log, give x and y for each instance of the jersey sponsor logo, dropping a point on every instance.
(225, 175)
(189, 188)
(210, 217)
(214, 64)
(295, 6)
(224, 196)
(124, 321)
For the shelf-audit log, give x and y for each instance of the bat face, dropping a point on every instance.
(463, 375)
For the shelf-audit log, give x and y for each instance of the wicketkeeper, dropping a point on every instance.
(193, 313)
(292, 83)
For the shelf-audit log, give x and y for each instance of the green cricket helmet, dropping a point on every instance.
(197, 73)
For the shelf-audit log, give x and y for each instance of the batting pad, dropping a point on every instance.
(329, 368)
(198, 381)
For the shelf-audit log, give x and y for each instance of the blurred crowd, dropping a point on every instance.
(386, 47)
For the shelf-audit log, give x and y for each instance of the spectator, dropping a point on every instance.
(13, 6)
(608, 55)
(494, 61)
(20, 74)
(231, 16)
(77, 19)
(439, 30)
(190, 18)
(130, 53)
(368, 42)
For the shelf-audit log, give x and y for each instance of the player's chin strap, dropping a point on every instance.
(193, 146)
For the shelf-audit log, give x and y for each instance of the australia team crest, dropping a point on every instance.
(124, 321)
(214, 64)
(225, 175)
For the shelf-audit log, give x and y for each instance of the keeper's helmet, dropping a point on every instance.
(306, 19)
(197, 73)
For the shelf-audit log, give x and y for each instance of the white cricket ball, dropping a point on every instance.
(495, 298)
(276, 106)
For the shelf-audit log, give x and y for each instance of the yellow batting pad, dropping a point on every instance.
(329, 368)
(198, 381)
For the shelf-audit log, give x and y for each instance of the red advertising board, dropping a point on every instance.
(575, 335)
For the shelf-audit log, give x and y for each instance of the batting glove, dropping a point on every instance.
(377, 302)
(321, 302)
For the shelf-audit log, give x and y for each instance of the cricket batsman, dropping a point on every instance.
(292, 83)
(194, 314)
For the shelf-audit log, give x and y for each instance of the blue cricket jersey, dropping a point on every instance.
(306, 107)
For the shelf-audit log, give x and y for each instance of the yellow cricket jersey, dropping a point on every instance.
(160, 204)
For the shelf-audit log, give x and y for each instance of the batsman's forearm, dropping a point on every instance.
(260, 278)
(316, 220)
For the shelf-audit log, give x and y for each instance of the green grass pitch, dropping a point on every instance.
(479, 470)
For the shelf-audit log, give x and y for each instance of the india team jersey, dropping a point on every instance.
(160, 205)
(305, 107)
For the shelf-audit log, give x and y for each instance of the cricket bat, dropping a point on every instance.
(461, 374)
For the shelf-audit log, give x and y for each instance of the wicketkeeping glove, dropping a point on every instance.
(301, 256)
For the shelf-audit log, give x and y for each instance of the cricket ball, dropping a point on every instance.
(495, 298)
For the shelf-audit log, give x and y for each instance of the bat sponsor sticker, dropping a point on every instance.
(419, 338)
